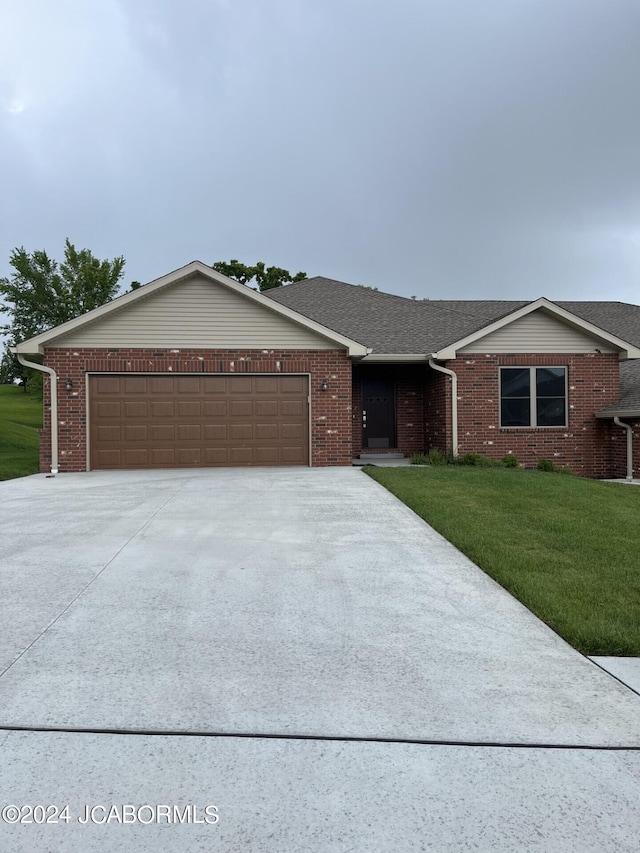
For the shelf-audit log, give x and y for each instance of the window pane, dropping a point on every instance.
(515, 382)
(550, 382)
(515, 412)
(551, 411)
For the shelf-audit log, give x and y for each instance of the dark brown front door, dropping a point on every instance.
(183, 421)
(378, 412)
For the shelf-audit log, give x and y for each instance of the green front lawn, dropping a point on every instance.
(20, 420)
(567, 548)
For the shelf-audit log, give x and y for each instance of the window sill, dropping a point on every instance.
(531, 428)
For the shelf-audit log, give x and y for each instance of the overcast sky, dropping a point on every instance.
(442, 148)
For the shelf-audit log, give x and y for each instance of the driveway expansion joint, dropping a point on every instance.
(130, 732)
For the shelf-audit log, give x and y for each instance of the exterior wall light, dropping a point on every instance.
(69, 384)
(325, 385)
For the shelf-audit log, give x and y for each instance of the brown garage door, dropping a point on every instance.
(197, 421)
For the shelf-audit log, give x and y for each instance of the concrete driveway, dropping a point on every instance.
(299, 649)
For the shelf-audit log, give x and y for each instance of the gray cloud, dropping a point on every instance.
(447, 149)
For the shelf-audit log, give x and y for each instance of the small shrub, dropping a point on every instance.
(479, 460)
(436, 457)
(419, 459)
(564, 470)
(468, 458)
(510, 461)
(545, 465)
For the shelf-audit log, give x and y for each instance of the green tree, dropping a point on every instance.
(265, 277)
(10, 368)
(41, 293)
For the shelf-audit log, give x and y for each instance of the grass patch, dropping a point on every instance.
(566, 547)
(20, 420)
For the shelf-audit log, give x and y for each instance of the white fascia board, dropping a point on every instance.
(37, 343)
(627, 350)
(378, 357)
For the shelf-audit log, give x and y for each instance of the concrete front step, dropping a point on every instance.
(389, 459)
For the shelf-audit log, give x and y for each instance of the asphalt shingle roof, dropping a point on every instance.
(395, 324)
(630, 387)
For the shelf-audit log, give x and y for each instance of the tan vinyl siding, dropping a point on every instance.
(538, 332)
(195, 313)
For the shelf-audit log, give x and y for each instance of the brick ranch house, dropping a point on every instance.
(194, 370)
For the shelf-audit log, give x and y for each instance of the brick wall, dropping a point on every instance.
(583, 446)
(437, 411)
(615, 439)
(330, 410)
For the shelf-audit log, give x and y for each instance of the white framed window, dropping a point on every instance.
(533, 397)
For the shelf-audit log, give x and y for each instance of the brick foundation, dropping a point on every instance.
(331, 442)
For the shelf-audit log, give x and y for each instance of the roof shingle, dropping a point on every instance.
(395, 324)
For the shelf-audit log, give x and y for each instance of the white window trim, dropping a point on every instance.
(533, 397)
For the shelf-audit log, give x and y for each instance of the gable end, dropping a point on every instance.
(536, 332)
(195, 313)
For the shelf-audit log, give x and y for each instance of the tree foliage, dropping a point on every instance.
(42, 293)
(266, 278)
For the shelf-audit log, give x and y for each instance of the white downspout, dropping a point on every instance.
(454, 402)
(629, 430)
(54, 406)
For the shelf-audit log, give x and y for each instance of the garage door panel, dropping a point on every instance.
(161, 409)
(189, 432)
(266, 384)
(241, 432)
(165, 433)
(240, 408)
(188, 456)
(266, 432)
(188, 384)
(292, 455)
(292, 384)
(160, 384)
(188, 408)
(109, 434)
(108, 459)
(292, 408)
(240, 384)
(292, 432)
(266, 408)
(108, 384)
(267, 456)
(136, 409)
(163, 457)
(214, 408)
(137, 432)
(135, 384)
(241, 455)
(215, 432)
(151, 421)
(136, 458)
(106, 410)
(216, 456)
(213, 385)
